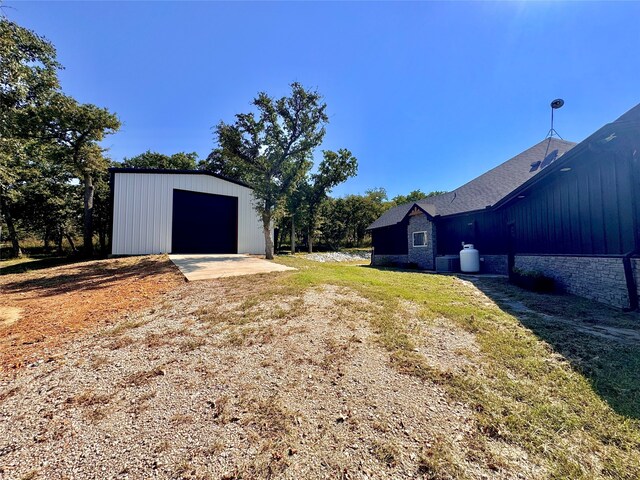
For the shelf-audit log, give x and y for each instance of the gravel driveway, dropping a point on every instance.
(197, 387)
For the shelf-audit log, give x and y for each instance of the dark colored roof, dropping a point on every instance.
(487, 189)
(615, 136)
(392, 216)
(633, 115)
(179, 172)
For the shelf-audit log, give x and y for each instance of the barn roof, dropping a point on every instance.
(487, 189)
(176, 172)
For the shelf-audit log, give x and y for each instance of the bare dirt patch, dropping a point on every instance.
(9, 316)
(45, 308)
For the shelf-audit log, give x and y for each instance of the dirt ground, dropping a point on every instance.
(43, 309)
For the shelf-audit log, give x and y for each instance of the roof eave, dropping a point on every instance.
(177, 171)
(431, 217)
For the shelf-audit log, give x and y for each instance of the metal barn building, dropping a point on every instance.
(182, 211)
(571, 212)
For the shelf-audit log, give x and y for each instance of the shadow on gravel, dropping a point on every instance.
(599, 342)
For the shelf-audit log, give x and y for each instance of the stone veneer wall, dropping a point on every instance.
(598, 278)
(495, 264)
(424, 257)
(389, 260)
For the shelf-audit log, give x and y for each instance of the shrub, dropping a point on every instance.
(533, 280)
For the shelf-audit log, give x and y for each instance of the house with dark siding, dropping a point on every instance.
(569, 211)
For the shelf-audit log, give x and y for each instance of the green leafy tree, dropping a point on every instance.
(78, 129)
(296, 205)
(346, 219)
(49, 203)
(28, 77)
(271, 149)
(334, 169)
(334, 227)
(149, 159)
(414, 196)
(102, 209)
(363, 211)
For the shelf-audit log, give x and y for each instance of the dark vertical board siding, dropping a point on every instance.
(486, 230)
(624, 179)
(598, 230)
(391, 240)
(575, 210)
(587, 210)
(610, 206)
(557, 218)
(584, 211)
(634, 168)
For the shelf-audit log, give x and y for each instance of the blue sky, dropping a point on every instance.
(426, 95)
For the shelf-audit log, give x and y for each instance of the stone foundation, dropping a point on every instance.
(599, 278)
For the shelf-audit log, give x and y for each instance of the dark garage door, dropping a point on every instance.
(204, 223)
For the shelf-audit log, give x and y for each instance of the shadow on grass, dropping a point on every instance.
(91, 275)
(38, 263)
(599, 342)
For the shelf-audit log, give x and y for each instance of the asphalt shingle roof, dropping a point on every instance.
(487, 189)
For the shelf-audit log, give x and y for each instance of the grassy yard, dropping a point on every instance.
(571, 400)
(340, 371)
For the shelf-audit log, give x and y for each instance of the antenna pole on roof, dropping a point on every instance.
(557, 103)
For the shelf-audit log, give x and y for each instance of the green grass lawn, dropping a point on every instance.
(570, 400)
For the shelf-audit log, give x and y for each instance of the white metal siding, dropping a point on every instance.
(143, 210)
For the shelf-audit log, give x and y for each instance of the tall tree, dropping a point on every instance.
(271, 149)
(28, 77)
(79, 128)
(334, 169)
(149, 159)
(296, 205)
(363, 211)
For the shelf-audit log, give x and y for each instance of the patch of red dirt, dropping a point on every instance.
(58, 303)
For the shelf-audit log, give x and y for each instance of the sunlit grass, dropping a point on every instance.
(523, 392)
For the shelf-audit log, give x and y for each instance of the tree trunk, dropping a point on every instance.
(45, 240)
(312, 228)
(59, 241)
(293, 235)
(268, 242)
(88, 215)
(70, 240)
(103, 241)
(13, 236)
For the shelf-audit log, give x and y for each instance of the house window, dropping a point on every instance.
(420, 239)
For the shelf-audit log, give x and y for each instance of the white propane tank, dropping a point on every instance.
(469, 259)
